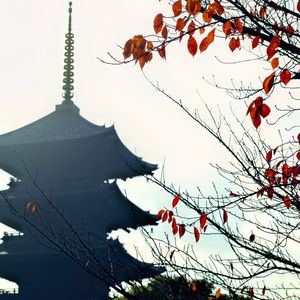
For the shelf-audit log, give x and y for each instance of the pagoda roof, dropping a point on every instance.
(64, 145)
(64, 123)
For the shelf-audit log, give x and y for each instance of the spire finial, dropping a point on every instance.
(68, 73)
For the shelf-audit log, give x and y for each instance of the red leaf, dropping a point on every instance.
(180, 24)
(158, 23)
(203, 219)
(162, 50)
(197, 234)
(265, 110)
(174, 226)
(238, 25)
(255, 42)
(268, 83)
(298, 155)
(164, 32)
(225, 216)
(298, 6)
(181, 230)
(227, 28)
(207, 40)
(160, 213)
(177, 7)
(234, 44)
(255, 117)
(127, 49)
(175, 200)
(285, 76)
(192, 45)
(205, 227)
(275, 62)
(298, 137)
(287, 201)
(170, 216)
(233, 194)
(165, 216)
(191, 28)
(274, 43)
(269, 155)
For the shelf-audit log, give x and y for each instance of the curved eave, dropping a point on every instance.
(100, 157)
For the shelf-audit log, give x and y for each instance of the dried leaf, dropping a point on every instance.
(275, 62)
(191, 28)
(177, 8)
(218, 293)
(192, 45)
(175, 201)
(285, 76)
(203, 219)
(158, 23)
(269, 155)
(227, 28)
(127, 49)
(164, 32)
(197, 234)
(181, 230)
(238, 25)
(268, 83)
(255, 42)
(252, 238)
(287, 201)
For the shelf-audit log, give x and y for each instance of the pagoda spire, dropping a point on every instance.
(69, 67)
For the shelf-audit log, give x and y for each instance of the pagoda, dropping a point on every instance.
(63, 200)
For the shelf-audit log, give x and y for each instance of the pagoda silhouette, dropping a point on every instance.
(63, 200)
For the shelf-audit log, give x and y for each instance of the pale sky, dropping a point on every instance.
(31, 66)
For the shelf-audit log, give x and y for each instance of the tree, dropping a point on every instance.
(263, 178)
(176, 288)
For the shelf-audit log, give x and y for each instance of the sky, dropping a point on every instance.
(31, 60)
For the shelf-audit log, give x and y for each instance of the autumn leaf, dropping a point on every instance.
(201, 30)
(162, 50)
(193, 7)
(191, 28)
(142, 62)
(225, 216)
(285, 76)
(298, 6)
(298, 155)
(268, 83)
(164, 32)
(174, 226)
(255, 42)
(197, 234)
(234, 44)
(127, 50)
(252, 238)
(181, 230)
(287, 201)
(177, 8)
(33, 208)
(160, 213)
(269, 155)
(207, 16)
(233, 194)
(218, 293)
(275, 62)
(274, 43)
(227, 28)
(207, 41)
(203, 219)
(192, 45)
(238, 25)
(170, 216)
(158, 23)
(165, 216)
(175, 201)
(180, 24)
(149, 45)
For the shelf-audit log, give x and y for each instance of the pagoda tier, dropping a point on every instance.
(64, 279)
(39, 150)
(97, 209)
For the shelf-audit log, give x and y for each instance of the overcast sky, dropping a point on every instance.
(31, 67)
